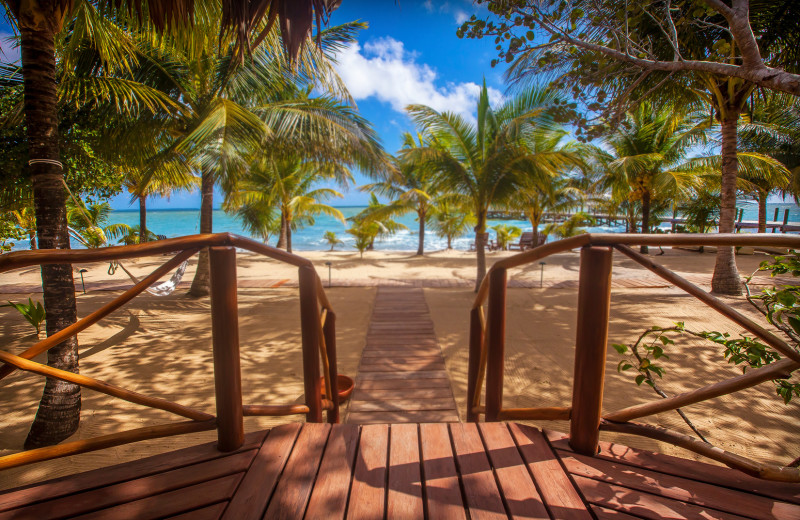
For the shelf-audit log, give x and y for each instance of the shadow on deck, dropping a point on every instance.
(489, 470)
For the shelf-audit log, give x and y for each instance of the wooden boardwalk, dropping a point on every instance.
(491, 470)
(401, 377)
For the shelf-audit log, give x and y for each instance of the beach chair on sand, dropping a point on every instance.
(525, 242)
(490, 244)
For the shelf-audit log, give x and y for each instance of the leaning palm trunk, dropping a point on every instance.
(282, 237)
(59, 409)
(200, 286)
(142, 219)
(726, 275)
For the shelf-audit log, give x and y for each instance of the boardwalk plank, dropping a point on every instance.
(480, 488)
(400, 417)
(207, 513)
(678, 488)
(368, 493)
(401, 405)
(521, 496)
(260, 480)
(609, 514)
(423, 374)
(442, 392)
(128, 491)
(442, 489)
(173, 502)
(645, 505)
(72, 484)
(404, 498)
(554, 484)
(690, 469)
(297, 480)
(329, 498)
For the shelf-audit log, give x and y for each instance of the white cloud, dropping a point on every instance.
(384, 70)
(461, 16)
(9, 52)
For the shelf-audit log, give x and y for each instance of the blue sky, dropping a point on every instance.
(409, 54)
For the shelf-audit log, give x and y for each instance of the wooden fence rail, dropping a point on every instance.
(487, 345)
(318, 344)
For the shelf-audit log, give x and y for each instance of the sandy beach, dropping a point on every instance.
(161, 346)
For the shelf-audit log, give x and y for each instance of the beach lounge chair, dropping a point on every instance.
(490, 244)
(525, 242)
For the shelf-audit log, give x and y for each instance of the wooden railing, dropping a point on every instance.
(317, 319)
(487, 345)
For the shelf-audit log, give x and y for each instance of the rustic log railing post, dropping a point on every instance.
(329, 333)
(594, 300)
(496, 322)
(473, 365)
(225, 334)
(309, 324)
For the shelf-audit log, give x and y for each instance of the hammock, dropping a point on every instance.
(162, 289)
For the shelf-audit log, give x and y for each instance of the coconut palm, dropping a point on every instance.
(89, 223)
(450, 220)
(331, 238)
(409, 187)
(25, 219)
(375, 222)
(570, 227)
(506, 234)
(477, 159)
(39, 22)
(539, 196)
(284, 189)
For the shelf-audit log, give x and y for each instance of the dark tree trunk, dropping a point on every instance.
(535, 219)
(480, 243)
(726, 275)
(762, 211)
(142, 219)
(421, 246)
(645, 218)
(282, 238)
(449, 242)
(59, 409)
(288, 236)
(201, 276)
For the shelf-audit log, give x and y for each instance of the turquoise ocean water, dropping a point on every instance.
(179, 222)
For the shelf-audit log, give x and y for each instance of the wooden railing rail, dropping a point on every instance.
(487, 345)
(318, 343)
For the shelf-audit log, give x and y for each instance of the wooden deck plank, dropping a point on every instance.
(678, 488)
(609, 514)
(480, 489)
(297, 480)
(408, 393)
(404, 497)
(691, 469)
(368, 492)
(442, 488)
(212, 512)
(391, 366)
(554, 484)
(398, 417)
(401, 405)
(398, 384)
(72, 484)
(136, 489)
(645, 505)
(424, 374)
(518, 489)
(173, 502)
(332, 488)
(260, 480)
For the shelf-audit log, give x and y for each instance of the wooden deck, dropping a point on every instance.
(491, 470)
(402, 376)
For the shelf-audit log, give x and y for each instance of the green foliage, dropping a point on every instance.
(32, 311)
(331, 238)
(506, 234)
(9, 230)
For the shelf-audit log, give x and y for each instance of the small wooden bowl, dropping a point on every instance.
(344, 384)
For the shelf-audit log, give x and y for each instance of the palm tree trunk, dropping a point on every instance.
(535, 218)
(645, 218)
(421, 246)
(449, 242)
(200, 285)
(288, 235)
(726, 275)
(282, 238)
(59, 409)
(480, 243)
(142, 219)
(762, 211)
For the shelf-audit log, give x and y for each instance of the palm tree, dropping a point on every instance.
(570, 227)
(409, 187)
(26, 220)
(286, 186)
(39, 22)
(449, 219)
(478, 160)
(88, 223)
(649, 153)
(331, 238)
(539, 196)
(506, 234)
(374, 222)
